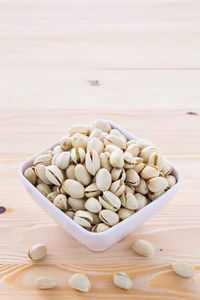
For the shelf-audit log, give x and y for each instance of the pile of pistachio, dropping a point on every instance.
(98, 177)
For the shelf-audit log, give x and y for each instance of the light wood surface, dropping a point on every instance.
(134, 62)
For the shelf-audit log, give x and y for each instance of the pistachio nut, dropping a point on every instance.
(54, 158)
(117, 174)
(157, 184)
(109, 217)
(171, 180)
(129, 160)
(183, 269)
(95, 144)
(76, 203)
(92, 190)
(133, 149)
(103, 179)
(95, 217)
(142, 143)
(129, 201)
(122, 280)
(73, 188)
(61, 202)
(153, 196)
(118, 133)
(149, 172)
(132, 178)
(83, 218)
(45, 283)
(60, 190)
(141, 200)
(92, 162)
(146, 152)
(103, 125)
(167, 169)
(93, 205)
(143, 248)
(57, 149)
(80, 140)
(142, 187)
(139, 167)
(78, 155)
(80, 282)
(115, 140)
(70, 172)
(131, 142)
(116, 159)
(43, 188)
(98, 133)
(63, 160)
(71, 213)
(117, 187)
(82, 175)
(40, 171)
(54, 175)
(110, 201)
(30, 175)
(110, 148)
(66, 143)
(125, 213)
(51, 196)
(157, 160)
(37, 252)
(105, 161)
(44, 159)
(100, 227)
(78, 128)
(130, 189)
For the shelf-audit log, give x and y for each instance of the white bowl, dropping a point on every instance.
(103, 240)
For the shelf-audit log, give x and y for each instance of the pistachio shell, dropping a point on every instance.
(51, 196)
(78, 155)
(110, 148)
(171, 180)
(143, 248)
(157, 160)
(44, 189)
(100, 227)
(76, 203)
(78, 128)
(95, 144)
(142, 187)
(73, 188)
(103, 125)
(82, 175)
(63, 160)
(115, 140)
(132, 177)
(61, 202)
(92, 190)
(129, 160)
(83, 218)
(44, 282)
(103, 179)
(116, 159)
(57, 149)
(30, 175)
(157, 184)
(40, 171)
(167, 169)
(104, 161)
(98, 133)
(109, 217)
(66, 143)
(44, 159)
(117, 187)
(129, 201)
(54, 175)
(110, 201)
(146, 152)
(37, 252)
(117, 174)
(149, 172)
(70, 172)
(122, 280)
(125, 213)
(141, 200)
(133, 149)
(183, 269)
(93, 205)
(80, 140)
(142, 143)
(80, 282)
(92, 162)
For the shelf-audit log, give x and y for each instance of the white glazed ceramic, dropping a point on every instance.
(103, 240)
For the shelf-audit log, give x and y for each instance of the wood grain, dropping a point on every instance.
(174, 231)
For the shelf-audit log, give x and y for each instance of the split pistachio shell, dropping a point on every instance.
(143, 248)
(109, 217)
(95, 217)
(142, 143)
(157, 184)
(54, 158)
(129, 201)
(57, 149)
(92, 190)
(115, 140)
(30, 175)
(116, 159)
(37, 252)
(40, 171)
(100, 227)
(98, 133)
(71, 213)
(78, 155)
(132, 178)
(110, 201)
(44, 189)
(73, 188)
(92, 162)
(142, 187)
(130, 189)
(103, 125)
(122, 280)
(117, 187)
(54, 175)
(157, 160)
(153, 196)
(146, 152)
(44, 282)
(66, 143)
(167, 169)
(70, 172)
(80, 140)
(117, 174)
(124, 213)
(183, 269)
(63, 160)
(133, 149)
(129, 160)
(103, 179)
(61, 202)
(80, 282)
(104, 161)
(51, 196)
(149, 172)
(141, 200)
(110, 148)
(171, 180)
(82, 175)
(83, 218)
(139, 167)
(95, 144)
(76, 203)
(44, 159)
(93, 205)
(78, 128)
(118, 133)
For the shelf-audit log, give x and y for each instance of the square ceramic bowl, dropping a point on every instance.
(103, 240)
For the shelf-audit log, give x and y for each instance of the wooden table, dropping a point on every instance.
(134, 62)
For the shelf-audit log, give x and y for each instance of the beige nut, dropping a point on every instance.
(157, 184)
(139, 167)
(149, 172)
(44, 189)
(110, 201)
(66, 143)
(44, 159)
(171, 180)
(30, 175)
(54, 175)
(129, 160)
(100, 227)
(142, 143)
(78, 128)
(118, 133)
(76, 203)
(183, 269)
(122, 280)
(129, 201)
(167, 169)
(95, 144)
(103, 125)
(153, 196)
(141, 200)
(40, 171)
(110, 148)
(83, 218)
(78, 155)
(132, 178)
(109, 217)
(92, 190)
(125, 213)
(51, 196)
(146, 152)
(70, 172)
(61, 202)
(133, 149)
(37, 252)
(103, 179)
(142, 187)
(157, 160)
(117, 187)
(80, 282)
(95, 217)
(63, 160)
(115, 140)
(104, 161)
(73, 188)
(82, 175)
(44, 282)
(71, 213)
(93, 205)
(57, 149)
(116, 159)
(118, 174)
(92, 162)
(98, 133)
(143, 248)
(80, 140)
